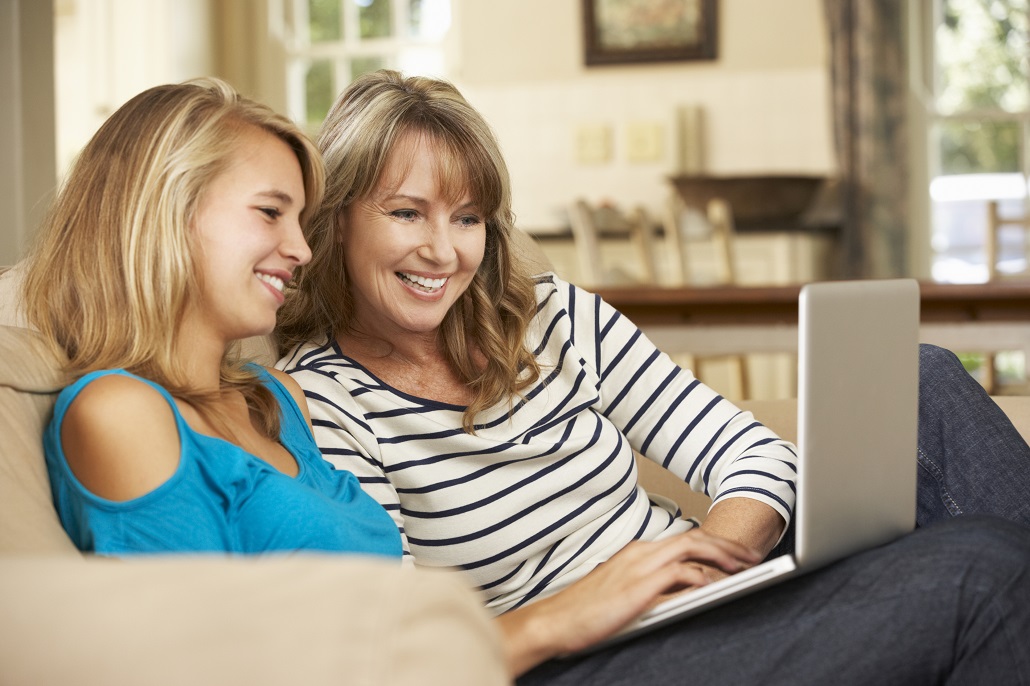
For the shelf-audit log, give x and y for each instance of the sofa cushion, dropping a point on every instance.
(30, 379)
(10, 295)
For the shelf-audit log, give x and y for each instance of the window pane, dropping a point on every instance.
(324, 20)
(375, 18)
(318, 91)
(980, 162)
(429, 19)
(421, 61)
(982, 55)
(977, 147)
(364, 65)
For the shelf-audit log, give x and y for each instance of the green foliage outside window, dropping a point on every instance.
(375, 18)
(983, 66)
(319, 91)
(324, 20)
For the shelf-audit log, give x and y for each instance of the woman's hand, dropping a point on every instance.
(614, 594)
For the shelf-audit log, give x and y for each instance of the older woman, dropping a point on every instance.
(495, 415)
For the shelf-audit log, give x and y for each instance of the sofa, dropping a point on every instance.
(68, 618)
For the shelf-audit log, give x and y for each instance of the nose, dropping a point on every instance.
(294, 246)
(438, 246)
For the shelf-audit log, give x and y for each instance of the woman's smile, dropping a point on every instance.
(422, 283)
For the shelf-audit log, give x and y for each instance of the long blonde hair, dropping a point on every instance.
(113, 271)
(492, 316)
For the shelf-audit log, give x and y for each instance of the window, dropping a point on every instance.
(978, 126)
(332, 42)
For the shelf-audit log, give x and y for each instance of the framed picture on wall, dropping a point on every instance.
(629, 31)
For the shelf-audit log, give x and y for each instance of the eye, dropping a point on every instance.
(405, 215)
(271, 212)
(469, 221)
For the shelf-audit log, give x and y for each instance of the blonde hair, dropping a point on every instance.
(113, 270)
(369, 119)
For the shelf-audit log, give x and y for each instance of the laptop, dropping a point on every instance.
(858, 386)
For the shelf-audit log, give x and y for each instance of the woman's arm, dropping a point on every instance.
(113, 422)
(685, 426)
(751, 523)
(614, 594)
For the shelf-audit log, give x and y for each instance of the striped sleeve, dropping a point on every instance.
(675, 420)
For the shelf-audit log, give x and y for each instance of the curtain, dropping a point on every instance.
(868, 70)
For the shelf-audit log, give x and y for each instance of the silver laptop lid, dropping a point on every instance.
(858, 394)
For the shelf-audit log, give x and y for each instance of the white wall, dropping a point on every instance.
(765, 100)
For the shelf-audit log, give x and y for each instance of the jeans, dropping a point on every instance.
(948, 603)
(971, 459)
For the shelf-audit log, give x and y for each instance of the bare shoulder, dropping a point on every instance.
(120, 437)
(295, 390)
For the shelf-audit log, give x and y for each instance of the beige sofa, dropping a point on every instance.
(67, 618)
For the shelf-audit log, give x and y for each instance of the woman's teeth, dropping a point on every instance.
(422, 283)
(273, 281)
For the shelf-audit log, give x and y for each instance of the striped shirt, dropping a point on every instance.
(546, 488)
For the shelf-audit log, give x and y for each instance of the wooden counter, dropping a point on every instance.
(734, 320)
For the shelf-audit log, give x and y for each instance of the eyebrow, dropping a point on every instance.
(471, 204)
(281, 196)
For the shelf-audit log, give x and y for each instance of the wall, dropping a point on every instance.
(27, 170)
(765, 100)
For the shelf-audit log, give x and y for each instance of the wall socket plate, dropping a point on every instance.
(593, 144)
(645, 142)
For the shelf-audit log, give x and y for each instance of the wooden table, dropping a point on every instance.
(735, 319)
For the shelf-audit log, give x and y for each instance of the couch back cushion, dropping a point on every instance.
(30, 379)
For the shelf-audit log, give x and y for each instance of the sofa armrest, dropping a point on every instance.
(214, 620)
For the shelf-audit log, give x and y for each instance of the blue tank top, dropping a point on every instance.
(223, 499)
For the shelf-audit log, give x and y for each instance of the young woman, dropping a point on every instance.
(174, 236)
(494, 415)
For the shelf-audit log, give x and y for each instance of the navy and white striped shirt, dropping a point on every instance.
(535, 500)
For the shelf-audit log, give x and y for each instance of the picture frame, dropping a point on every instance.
(635, 31)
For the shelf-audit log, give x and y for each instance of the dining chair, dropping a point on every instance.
(587, 230)
(684, 243)
(992, 243)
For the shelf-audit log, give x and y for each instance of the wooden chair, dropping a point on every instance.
(721, 236)
(992, 243)
(586, 234)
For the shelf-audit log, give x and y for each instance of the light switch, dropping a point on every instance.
(593, 144)
(645, 142)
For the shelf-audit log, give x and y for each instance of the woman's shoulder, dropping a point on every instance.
(309, 353)
(112, 419)
(113, 392)
(292, 388)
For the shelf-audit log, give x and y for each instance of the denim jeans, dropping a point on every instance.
(971, 459)
(948, 603)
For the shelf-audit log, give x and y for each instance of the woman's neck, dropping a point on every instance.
(199, 354)
(415, 365)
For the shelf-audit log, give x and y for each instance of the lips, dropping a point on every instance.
(422, 283)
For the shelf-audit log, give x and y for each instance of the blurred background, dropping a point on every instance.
(698, 144)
